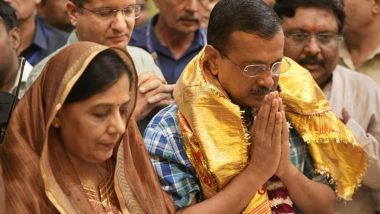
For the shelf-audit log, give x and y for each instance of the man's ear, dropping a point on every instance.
(72, 12)
(15, 38)
(212, 59)
(376, 7)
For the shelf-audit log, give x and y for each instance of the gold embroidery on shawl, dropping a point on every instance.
(122, 187)
(334, 150)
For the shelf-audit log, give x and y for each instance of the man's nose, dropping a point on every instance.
(266, 79)
(119, 22)
(192, 5)
(312, 46)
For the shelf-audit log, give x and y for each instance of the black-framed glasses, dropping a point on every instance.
(254, 70)
(130, 11)
(8, 102)
(325, 39)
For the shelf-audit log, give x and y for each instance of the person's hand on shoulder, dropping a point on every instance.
(153, 91)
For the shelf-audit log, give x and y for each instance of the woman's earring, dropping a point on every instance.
(56, 124)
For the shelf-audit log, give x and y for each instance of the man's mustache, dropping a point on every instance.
(311, 60)
(188, 17)
(261, 91)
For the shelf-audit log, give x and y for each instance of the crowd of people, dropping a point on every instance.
(209, 106)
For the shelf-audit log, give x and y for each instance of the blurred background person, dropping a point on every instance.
(111, 23)
(13, 72)
(144, 14)
(9, 42)
(79, 145)
(313, 31)
(173, 36)
(37, 39)
(209, 5)
(361, 48)
(54, 13)
(206, 12)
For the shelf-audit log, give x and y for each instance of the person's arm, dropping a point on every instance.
(265, 157)
(308, 195)
(153, 90)
(369, 143)
(233, 198)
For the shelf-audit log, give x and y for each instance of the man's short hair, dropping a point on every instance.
(250, 16)
(287, 8)
(79, 2)
(8, 15)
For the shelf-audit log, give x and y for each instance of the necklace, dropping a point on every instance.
(103, 198)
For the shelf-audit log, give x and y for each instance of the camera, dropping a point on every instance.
(8, 102)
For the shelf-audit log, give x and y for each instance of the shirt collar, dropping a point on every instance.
(27, 70)
(73, 38)
(40, 36)
(375, 53)
(346, 57)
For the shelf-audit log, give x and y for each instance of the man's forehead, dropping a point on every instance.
(2, 23)
(310, 17)
(105, 2)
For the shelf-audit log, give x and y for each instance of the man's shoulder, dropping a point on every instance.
(167, 117)
(138, 37)
(56, 35)
(162, 136)
(354, 77)
(37, 69)
(143, 60)
(134, 50)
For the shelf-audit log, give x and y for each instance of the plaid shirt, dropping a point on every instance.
(176, 174)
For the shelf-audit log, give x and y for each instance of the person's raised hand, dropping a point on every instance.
(266, 137)
(285, 163)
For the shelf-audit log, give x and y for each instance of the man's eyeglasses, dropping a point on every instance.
(325, 39)
(254, 70)
(130, 11)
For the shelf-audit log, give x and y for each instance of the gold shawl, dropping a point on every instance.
(334, 150)
(38, 176)
(216, 140)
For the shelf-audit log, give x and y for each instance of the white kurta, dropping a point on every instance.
(360, 95)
